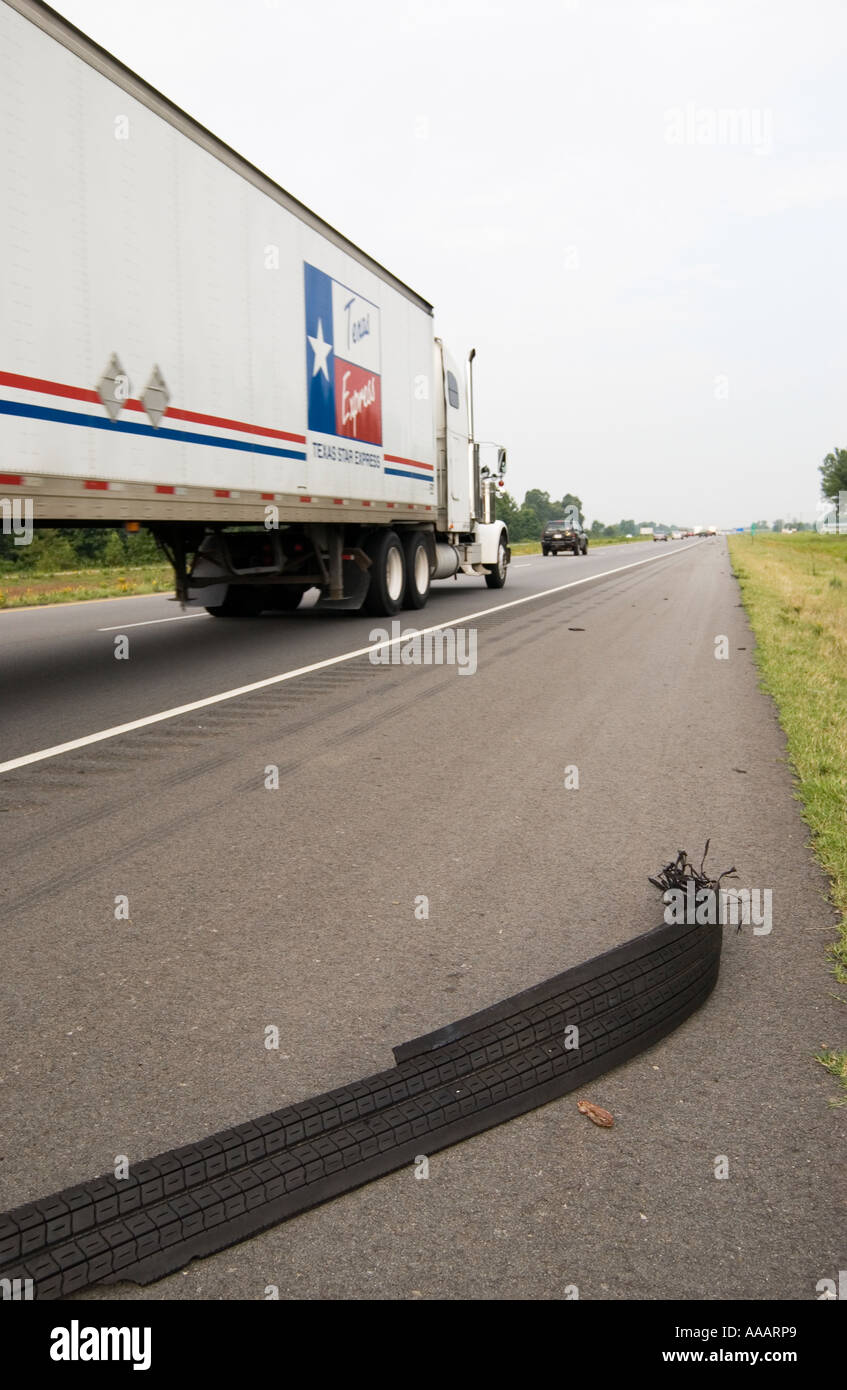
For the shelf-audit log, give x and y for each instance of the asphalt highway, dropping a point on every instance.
(296, 908)
(60, 680)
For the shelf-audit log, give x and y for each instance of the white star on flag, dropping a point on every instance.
(321, 349)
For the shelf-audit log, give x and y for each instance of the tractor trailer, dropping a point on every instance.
(185, 346)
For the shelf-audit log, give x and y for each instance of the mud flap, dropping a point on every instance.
(356, 583)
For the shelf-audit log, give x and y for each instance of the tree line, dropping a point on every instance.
(527, 520)
(78, 547)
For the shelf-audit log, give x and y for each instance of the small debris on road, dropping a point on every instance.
(595, 1113)
(680, 872)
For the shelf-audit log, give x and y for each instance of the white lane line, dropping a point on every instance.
(193, 705)
(151, 622)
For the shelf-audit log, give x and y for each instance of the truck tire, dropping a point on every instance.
(242, 601)
(387, 575)
(416, 552)
(496, 577)
(461, 1080)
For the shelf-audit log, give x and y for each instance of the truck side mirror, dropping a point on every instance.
(501, 462)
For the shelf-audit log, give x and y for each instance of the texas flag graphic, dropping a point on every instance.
(342, 360)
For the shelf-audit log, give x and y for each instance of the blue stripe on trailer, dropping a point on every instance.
(404, 473)
(98, 422)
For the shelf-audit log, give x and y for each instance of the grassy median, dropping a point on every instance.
(795, 592)
(19, 590)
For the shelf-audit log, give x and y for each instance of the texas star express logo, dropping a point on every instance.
(342, 360)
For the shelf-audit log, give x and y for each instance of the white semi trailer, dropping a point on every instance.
(186, 346)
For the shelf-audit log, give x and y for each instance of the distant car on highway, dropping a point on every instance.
(676, 535)
(559, 536)
(660, 535)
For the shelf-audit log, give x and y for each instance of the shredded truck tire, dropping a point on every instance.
(445, 1087)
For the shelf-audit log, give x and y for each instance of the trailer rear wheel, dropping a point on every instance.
(496, 577)
(418, 571)
(387, 575)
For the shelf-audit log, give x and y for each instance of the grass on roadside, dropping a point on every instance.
(795, 592)
(24, 591)
(836, 1065)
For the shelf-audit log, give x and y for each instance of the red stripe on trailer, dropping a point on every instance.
(52, 388)
(161, 487)
(11, 480)
(80, 393)
(415, 463)
(266, 496)
(305, 499)
(95, 485)
(338, 501)
(58, 388)
(222, 423)
(389, 504)
(366, 504)
(221, 492)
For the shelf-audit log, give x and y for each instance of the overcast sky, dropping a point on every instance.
(634, 211)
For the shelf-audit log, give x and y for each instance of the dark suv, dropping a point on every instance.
(558, 536)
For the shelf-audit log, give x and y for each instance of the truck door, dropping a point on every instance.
(456, 443)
